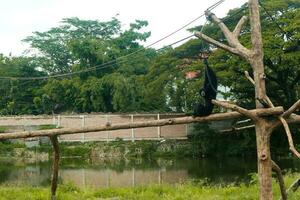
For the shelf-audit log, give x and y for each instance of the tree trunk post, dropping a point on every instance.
(55, 166)
(255, 57)
(158, 128)
(264, 160)
(262, 134)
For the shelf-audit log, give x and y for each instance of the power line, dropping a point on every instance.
(178, 41)
(189, 23)
(275, 21)
(103, 66)
(109, 63)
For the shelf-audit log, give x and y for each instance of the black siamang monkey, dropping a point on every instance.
(208, 92)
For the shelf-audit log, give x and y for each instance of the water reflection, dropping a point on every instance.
(136, 172)
(111, 178)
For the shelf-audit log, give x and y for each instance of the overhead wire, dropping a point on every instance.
(109, 63)
(105, 65)
(275, 21)
(189, 23)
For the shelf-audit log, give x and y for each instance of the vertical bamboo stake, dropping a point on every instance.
(158, 128)
(132, 130)
(54, 120)
(107, 132)
(58, 121)
(55, 166)
(133, 177)
(82, 126)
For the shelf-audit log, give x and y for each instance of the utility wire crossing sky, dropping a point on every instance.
(18, 19)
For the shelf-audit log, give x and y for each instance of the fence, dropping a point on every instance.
(180, 131)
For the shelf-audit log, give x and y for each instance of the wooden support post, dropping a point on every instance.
(82, 126)
(263, 133)
(55, 166)
(132, 130)
(278, 172)
(158, 128)
(159, 176)
(107, 132)
(254, 56)
(186, 130)
(54, 120)
(133, 177)
(58, 121)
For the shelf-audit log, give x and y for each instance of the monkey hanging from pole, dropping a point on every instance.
(208, 91)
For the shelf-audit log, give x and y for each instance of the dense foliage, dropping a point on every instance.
(78, 46)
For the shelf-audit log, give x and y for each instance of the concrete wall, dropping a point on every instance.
(20, 123)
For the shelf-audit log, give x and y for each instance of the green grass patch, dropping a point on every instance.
(3, 129)
(187, 191)
(7, 147)
(46, 126)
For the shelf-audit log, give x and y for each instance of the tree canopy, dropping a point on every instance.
(111, 71)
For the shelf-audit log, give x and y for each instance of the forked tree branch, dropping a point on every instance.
(237, 128)
(249, 77)
(289, 136)
(243, 121)
(278, 172)
(292, 109)
(236, 108)
(232, 37)
(239, 26)
(218, 44)
(234, 47)
(287, 131)
(232, 41)
(282, 120)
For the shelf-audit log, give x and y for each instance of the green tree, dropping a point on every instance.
(87, 45)
(17, 95)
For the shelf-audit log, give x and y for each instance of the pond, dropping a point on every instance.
(135, 172)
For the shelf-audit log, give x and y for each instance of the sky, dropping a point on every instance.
(20, 18)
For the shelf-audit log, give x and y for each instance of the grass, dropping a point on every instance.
(187, 191)
(2, 129)
(46, 126)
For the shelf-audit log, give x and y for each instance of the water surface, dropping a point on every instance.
(135, 172)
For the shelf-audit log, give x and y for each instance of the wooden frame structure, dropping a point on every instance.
(238, 113)
(263, 126)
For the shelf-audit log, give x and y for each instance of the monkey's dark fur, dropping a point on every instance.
(208, 92)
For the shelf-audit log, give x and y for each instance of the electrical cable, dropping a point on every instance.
(109, 63)
(274, 21)
(105, 65)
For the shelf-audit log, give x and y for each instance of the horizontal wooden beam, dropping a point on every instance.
(293, 119)
(152, 123)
